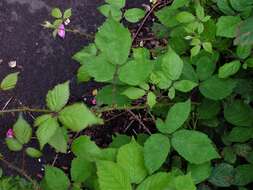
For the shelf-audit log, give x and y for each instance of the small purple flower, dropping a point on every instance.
(10, 133)
(61, 31)
(94, 101)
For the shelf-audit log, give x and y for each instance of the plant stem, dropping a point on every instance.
(25, 109)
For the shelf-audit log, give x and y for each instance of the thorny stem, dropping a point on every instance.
(20, 171)
(25, 109)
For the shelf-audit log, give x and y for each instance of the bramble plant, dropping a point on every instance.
(197, 89)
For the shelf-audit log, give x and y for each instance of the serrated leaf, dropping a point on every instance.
(172, 65)
(229, 155)
(56, 13)
(112, 177)
(83, 147)
(133, 93)
(114, 41)
(222, 175)
(226, 26)
(13, 144)
(127, 73)
(185, 17)
(58, 97)
(243, 51)
(184, 182)
(59, 140)
(81, 169)
(156, 150)
(32, 152)
(208, 47)
(151, 99)
(9, 82)
(179, 3)
(131, 158)
(67, 13)
(229, 69)
(217, 89)
(165, 13)
(118, 3)
(205, 68)
(77, 117)
(22, 130)
(176, 116)
(238, 113)
(46, 130)
(158, 181)
(208, 109)
(56, 178)
(134, 15)
(83, 56)
(184, 85)
(243, 175)
(199, 172)
(194, 146)
(240, 134)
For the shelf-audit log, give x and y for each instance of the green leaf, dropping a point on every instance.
(83, 56)
(224, 6)
(208, 109)
(208, 47)
(156, 150)
(22, 130)
(58, 97)
(77, 117)
(229, 69)
(9, 82)
(226, 26)
(172, 65)
(32, 152)
(243, 175)
(165, 13)
(56, 13)
(184, 85)
(194, 146)
(205, 67)
(60, 140)
(133, 93)
(176, 116)
(67, 13)
(242, 150)
(82, 74)
(240, 134)
(241, 5)
(151, 99)
(112, 177)
(83, 147)
(46, 130)
(179, 3)
(243, 51)
(81, 169)
(244, 34)
(222, 175)
(128, 72)
(131, 158)
(134, 15)
(158, 181)
(119, 3)
(56, 178)
(238, 113)
(13, 144)
(185, 17)
(100, 68)
(195, 50)
(184, 182)
(114, 41)
(217, 89)
(229, 155)
(199, 172)
(120, 140)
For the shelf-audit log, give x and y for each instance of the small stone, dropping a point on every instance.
(12, 64)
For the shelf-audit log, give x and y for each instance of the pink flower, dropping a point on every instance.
(10, 133)
(94, 101)
(61, 31)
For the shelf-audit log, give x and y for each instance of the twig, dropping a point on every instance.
(7, 103)
(21, 172)
(26, 109)
(139, 120)
(145, 20)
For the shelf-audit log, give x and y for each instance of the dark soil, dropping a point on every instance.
(44, 62)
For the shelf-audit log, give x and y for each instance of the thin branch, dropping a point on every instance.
(25, 109)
